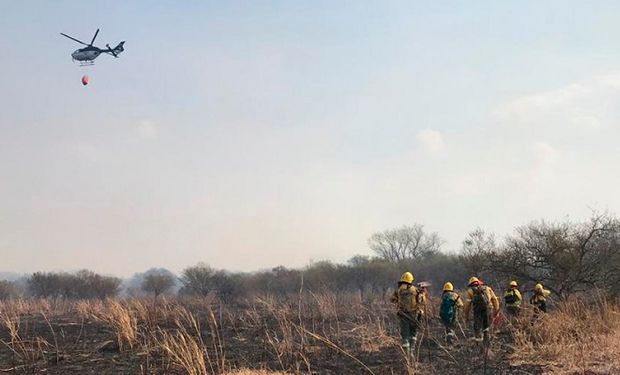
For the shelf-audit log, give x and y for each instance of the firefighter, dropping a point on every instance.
(407, 299)
(539, 299)
(512, 299)
(484, 302)
(451, 302)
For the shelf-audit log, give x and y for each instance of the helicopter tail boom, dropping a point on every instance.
(117, 50)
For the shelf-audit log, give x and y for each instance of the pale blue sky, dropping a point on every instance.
(251, 134)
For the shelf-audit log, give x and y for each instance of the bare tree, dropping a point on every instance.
(476, 250)
(158, 282)
(88, 284)
(198, 279)
(405, 243)
(202, 280)
(45, 285)
(566, 257)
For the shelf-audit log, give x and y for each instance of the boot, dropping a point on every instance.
(407, 349)
(412, 342)
(450, 337)
(486, 336)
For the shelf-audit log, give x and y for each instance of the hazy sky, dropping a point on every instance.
(252, 134)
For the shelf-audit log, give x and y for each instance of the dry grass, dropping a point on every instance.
(303, 334)
(573, 339)
(26, 351)
(255, 372)
(119, 316)
(184, 350)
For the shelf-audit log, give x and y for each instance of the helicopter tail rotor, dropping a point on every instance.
(117, 50)
(110, 50)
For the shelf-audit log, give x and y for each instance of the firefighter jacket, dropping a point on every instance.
(491, 298)
(408, 298)
(513, 297)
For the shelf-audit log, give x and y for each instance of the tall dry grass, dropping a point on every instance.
(27, 349)
(298, 334)
(188, 346)
(116, 314)
(184, 350)
(575, 338)
(255, 372)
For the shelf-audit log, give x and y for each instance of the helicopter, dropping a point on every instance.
(88, 54)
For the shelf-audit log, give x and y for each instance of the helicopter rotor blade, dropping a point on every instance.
(72, 38)
(93, 41)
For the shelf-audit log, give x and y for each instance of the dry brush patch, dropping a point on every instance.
(255, 372)
(118, 315)
(300, 334)
(577, 338)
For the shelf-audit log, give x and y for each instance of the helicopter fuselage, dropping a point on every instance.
(86, 54)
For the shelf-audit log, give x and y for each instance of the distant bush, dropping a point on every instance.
(203, 280)
(8, 290)
(81, 285)
(158, 282)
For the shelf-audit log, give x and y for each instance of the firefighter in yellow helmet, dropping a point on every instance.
(407, 299)
(512, 299)
(539, 299)
(484, 302)
(451, 302)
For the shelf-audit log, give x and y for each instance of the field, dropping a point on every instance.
(307, 334)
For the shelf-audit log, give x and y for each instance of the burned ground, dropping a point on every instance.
(317, 334)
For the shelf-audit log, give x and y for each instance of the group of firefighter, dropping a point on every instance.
(411, 302)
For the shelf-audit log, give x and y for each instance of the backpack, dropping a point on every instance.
(511, 298)
(480, 299)
(408, 298)
(447, 310)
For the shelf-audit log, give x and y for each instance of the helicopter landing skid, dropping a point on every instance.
(87, 63)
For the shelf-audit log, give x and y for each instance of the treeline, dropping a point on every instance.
(567, 257)
(81, 285)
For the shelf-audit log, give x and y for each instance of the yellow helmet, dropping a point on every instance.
(473, 279)
(448, 287)
(538, 286)
(514, 283)
(407, 277)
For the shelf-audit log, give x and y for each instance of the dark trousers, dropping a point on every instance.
(513, 310)
(450, 334)
(542, 306)
(481, 323)
(408, 328)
